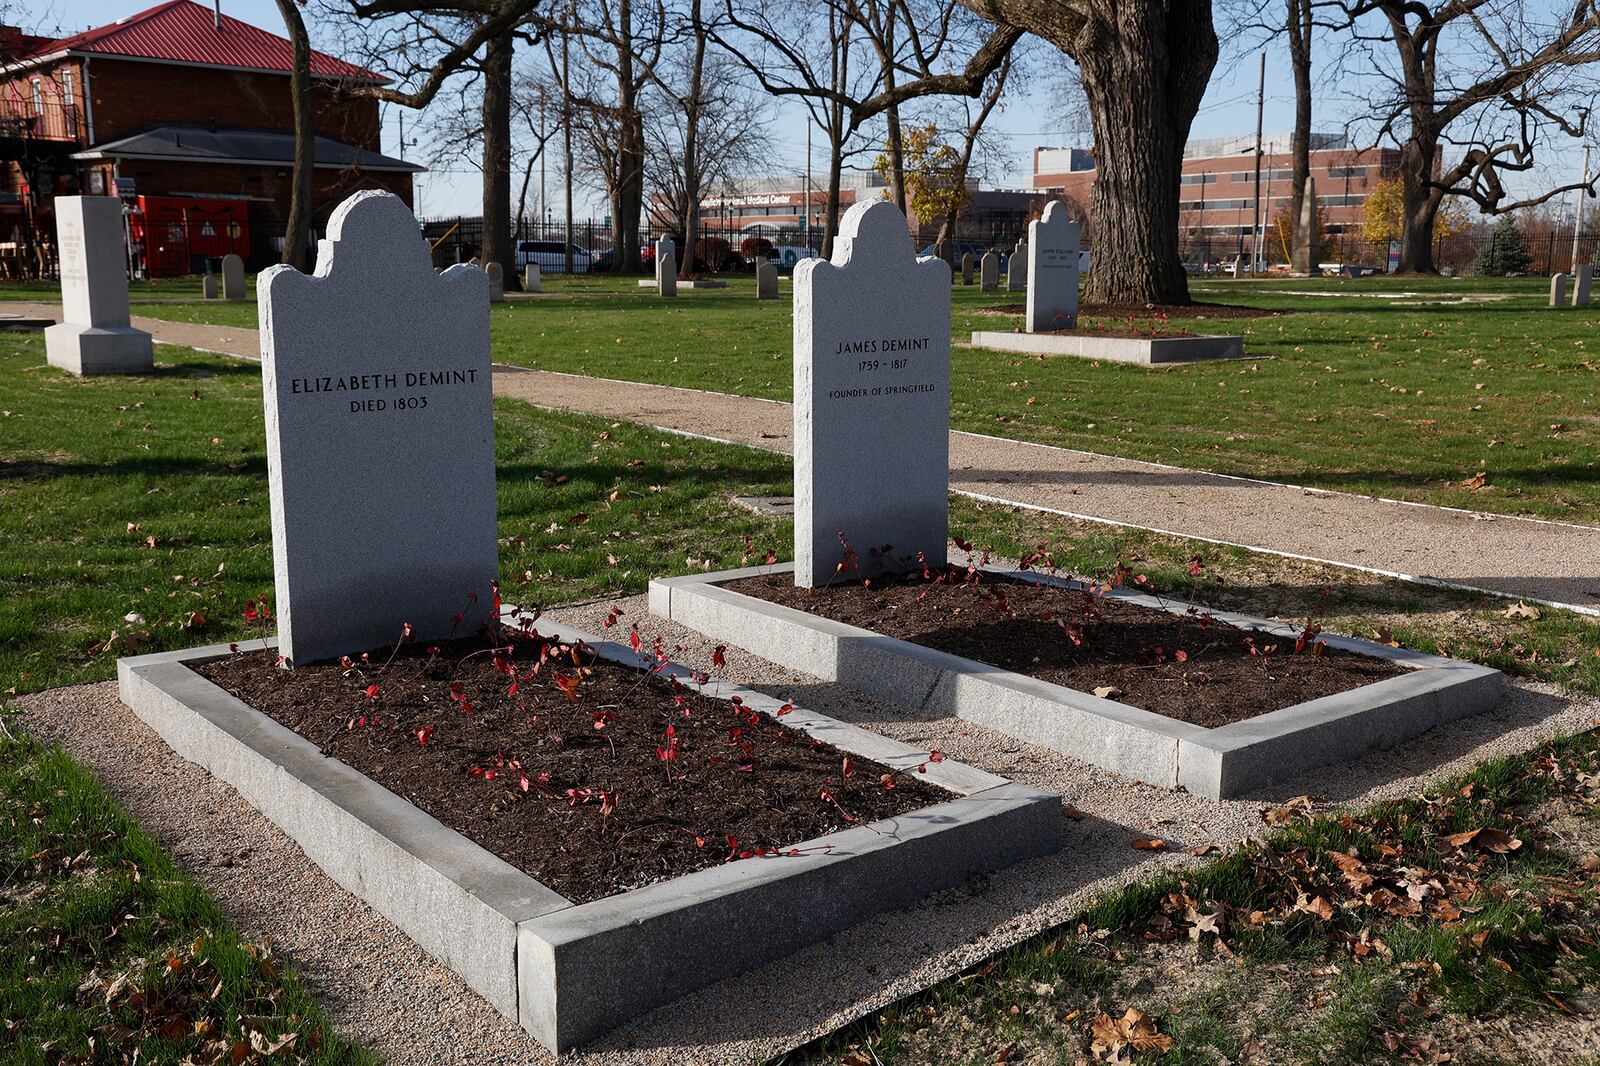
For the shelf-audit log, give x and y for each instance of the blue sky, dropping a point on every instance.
(1229, 108)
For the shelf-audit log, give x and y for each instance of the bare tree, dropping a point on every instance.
(297, 234)
(1485, 79)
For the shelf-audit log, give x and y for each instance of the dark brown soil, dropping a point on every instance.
(573, 791)
(1190, 667)
(1144, 311)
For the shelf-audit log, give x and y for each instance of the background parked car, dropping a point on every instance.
(607, 260)
(551, 257)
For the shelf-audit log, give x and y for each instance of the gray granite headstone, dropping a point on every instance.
(209, 289)
(532, 281)
(1052, 270)
(664, 248)
(1558, 290)
(989, 272)
(766, 281)
(966, 268)
(1581, 285)
(95, 335)
(667, 276)
(871, 400)
(380, 438)
(232, 277)
(1017, 268)
(497, 282)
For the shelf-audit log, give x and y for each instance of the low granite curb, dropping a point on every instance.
(1217, 763)
(1145, 351)
(570, 972)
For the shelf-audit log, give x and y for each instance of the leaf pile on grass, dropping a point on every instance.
(109, 954)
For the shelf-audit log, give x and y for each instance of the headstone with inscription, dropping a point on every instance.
(380, 438)
(95, 335)
(531, 279)
(766, 282)
(1052, 270)
(497, 282)
(209, 289)
(989, 272)
(1581, 284)
(232, 277)
(871, 402)
(1558, 290)
(966, 268)
(1017, 268)
(667, 278)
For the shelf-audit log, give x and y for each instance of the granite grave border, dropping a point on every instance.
(1143, 351)
(1216, 763)
(569, 973)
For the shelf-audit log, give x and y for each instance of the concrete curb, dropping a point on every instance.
(1152, 351)
(568, 973)
(1216, 763)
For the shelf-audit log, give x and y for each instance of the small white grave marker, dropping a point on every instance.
(1581, 284)
(665, 249)
(531, 281)
(872, 400)
(380, 438)
(667, 279)
(1558, 290)
(95, 335)
(208, 287)
(232, 277)
(497, 282)
(1052, 270)
(989, 272)
(1017, 268)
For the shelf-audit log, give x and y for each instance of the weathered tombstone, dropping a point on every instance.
(1307, 246)
(989, 272)
(1238, 265)
(531, 279)
(1017, 268)
(966, 268)
(380, 438)
(232, 277)
(871, 401)
(209, 289)
(95, 335)
(1558, 290)
(1052, 270)
(667, 272)
(665, 248)
(1581, 284)
(497, 282)
(766, 281)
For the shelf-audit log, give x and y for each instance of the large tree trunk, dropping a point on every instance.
(691, 137)
(830, 211)
(498, 246)
(1298, 24)
(297, 235)
(627, 196)
(1419, 203)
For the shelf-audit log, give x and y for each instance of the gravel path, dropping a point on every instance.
(382, 988)
(1550, 562)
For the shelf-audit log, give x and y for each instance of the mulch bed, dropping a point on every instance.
(1190, 667)
(590, 776)
(1099, 310)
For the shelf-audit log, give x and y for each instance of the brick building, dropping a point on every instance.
(186, 114)
(1217, 198)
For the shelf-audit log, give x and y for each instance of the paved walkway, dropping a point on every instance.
(1549, 562)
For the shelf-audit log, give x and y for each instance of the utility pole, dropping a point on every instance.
(566, 135)
(1577, 212)
(1255, 221)
(805, 219)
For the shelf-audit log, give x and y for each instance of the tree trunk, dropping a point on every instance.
(691, 137)
(627, 197)
(497, 244)
(1298, 24)
(297, 235)
(830, 211)
(1419, 203)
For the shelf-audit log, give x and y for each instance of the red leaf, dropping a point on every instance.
(424, 735)
(373, 691)
(717, 658)
(849, 766)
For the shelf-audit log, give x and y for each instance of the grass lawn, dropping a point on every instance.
(1407, 398)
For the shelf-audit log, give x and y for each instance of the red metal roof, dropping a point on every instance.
(182, 31)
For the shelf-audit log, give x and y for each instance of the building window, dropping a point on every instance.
(38, 97)
(1347, 172)
(1199, 179)
(66, 88)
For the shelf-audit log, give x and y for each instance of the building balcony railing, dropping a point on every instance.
(51, 120)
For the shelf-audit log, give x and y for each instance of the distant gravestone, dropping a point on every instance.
(1052, 270)
(1017, 268)
(497, 282)
(1558, 290)
(1307, 250)
(665, 249)
(531, 280)
(1581, 284)
(209, 289)
(989, 272)
(95, 335)
(232, 277)
(766, 282)
(966, 268)
(871, 401)
(667, 272)
(375, 372)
